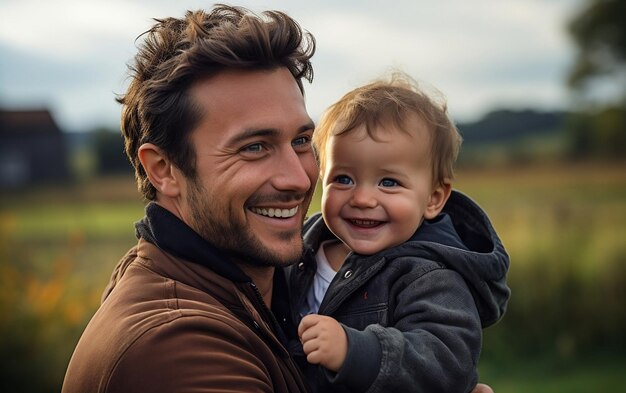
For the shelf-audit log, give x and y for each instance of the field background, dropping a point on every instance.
(563, 225)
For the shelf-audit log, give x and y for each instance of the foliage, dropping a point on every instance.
(563, 230)
(549, 375)
(57, 248)
(505, 137)
(608, 136)
(507, 125)
(45, 309)
(600, 34)
(109, 152)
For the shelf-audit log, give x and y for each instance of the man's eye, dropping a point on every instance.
(253, 148)
(343, 179)
(301, 141)
(388, 183)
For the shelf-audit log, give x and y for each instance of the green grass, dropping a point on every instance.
(598, 374)
(92, 219)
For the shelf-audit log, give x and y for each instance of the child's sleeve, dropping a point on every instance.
(432, 344)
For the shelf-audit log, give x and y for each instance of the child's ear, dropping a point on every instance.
(438, 199)
(159, 169)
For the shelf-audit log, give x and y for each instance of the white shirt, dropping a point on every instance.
(323, 276)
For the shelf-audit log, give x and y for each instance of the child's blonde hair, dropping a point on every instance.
(396, 100)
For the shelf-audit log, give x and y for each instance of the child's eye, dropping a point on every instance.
(388, 183)
(343, 179)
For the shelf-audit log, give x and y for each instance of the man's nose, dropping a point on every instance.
(291, 172)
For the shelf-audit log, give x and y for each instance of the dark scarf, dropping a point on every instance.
(166, 231)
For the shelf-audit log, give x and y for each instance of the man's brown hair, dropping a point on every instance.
(395, 101)
(175, 53)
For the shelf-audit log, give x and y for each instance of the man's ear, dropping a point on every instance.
(160, 170)
(438, 199)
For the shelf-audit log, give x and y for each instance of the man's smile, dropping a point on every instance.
(275, 212)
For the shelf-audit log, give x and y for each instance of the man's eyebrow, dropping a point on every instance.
(309, 126)
(264, 132)
(253, 133)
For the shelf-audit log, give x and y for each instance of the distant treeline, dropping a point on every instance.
(507, 125)
(527, 135)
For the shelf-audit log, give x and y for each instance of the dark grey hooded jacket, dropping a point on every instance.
(413, 314)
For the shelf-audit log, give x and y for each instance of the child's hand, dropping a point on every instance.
(324, 341)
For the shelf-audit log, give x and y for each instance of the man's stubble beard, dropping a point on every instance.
(232, 236)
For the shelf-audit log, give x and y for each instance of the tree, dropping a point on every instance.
(109, 152)
(600, 34)
(599, 31)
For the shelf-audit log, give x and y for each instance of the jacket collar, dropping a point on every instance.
(166, 231)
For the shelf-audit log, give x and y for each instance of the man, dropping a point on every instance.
(215, 125)
(216, 128)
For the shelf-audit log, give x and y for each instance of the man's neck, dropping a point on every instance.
(263, 278)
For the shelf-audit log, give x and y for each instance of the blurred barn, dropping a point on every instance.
(32, 149)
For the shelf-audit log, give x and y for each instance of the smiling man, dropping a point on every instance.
(215, 125)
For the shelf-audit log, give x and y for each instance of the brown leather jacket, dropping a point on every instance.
(168, 325)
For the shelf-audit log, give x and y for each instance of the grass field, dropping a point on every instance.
(563, 226)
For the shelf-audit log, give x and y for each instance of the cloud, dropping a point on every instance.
(478, 53)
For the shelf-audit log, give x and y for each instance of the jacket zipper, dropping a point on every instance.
(286, 355)
(269, 316)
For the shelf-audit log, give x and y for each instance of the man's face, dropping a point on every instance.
(255, 166)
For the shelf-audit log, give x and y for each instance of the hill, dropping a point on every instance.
(513, 137)
(505, 125)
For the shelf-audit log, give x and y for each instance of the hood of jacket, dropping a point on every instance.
(462, 238)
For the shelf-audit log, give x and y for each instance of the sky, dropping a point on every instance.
(71, 56)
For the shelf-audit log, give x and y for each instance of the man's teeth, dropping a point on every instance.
(271, 212)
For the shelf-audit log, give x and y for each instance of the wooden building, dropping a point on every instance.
(32, 149)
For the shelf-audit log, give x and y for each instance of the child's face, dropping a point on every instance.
(375, 193)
